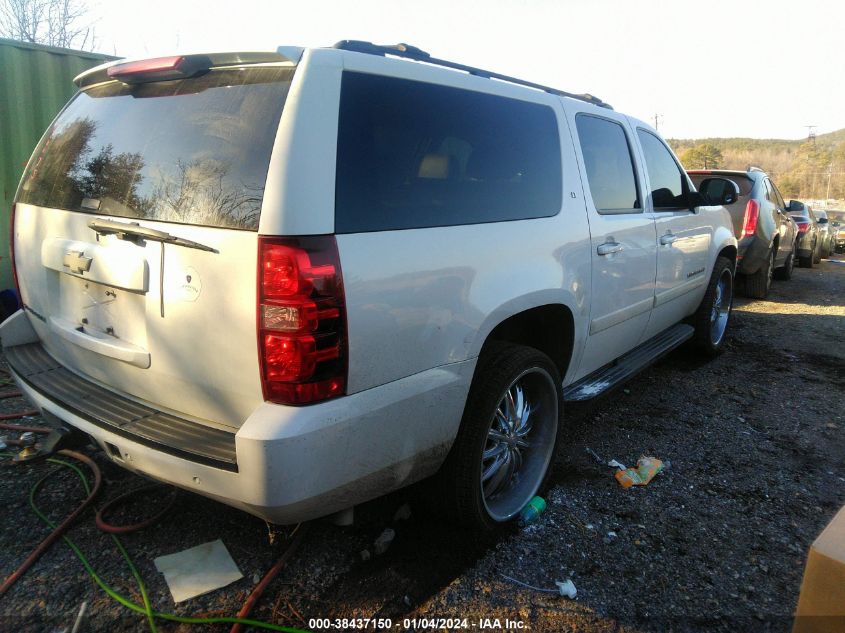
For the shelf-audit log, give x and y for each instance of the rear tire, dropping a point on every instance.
(712, 317)
(785, 272)
(806, 262)
(757, 285)
(510, 432)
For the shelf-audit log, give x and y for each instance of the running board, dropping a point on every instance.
(626, 366)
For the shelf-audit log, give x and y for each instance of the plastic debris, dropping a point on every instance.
(383, 541)
(198, 570)
(403, 513)
(614, 464)
(532, 511)
(647, 468)
(564, 588)
(567, 589)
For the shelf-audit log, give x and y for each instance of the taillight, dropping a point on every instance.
(749, 222)
(301, 319)
(802, 225)
(12, 253)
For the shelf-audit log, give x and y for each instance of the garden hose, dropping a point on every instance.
(145, 609)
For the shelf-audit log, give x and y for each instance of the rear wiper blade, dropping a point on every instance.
(132, 230)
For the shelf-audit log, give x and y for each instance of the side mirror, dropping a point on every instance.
(716, 191)
(822, 220)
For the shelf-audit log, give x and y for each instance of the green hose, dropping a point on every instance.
(126, 602)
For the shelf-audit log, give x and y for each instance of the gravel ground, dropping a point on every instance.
(716, 542)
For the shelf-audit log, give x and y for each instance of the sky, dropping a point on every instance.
(705, 69)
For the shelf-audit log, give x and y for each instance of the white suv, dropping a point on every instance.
(295, 281)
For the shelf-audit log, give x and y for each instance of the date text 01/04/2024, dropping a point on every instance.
(414, 624)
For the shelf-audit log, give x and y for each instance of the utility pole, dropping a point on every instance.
(811, 133)
(656, 121)
(829, 174)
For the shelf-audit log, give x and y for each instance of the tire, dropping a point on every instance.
(713, 315)
(487, 503)
(757, 285)
(806, 262)
(784, 273)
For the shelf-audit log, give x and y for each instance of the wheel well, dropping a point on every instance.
(730, 253)
(776, 243)
(549, 328)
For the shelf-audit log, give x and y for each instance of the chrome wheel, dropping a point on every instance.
(721, 309)
(519, 443)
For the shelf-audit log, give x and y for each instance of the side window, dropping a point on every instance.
(608, 163)
(413, 154)
(770, 193)
(666, 177)
(779, 198)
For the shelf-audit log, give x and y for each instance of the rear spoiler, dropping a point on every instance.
(112, 70)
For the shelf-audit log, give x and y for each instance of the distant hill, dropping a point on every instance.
(801, 169)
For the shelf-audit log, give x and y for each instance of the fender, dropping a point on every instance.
(578, 306)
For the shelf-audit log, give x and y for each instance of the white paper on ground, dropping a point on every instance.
(198, 570)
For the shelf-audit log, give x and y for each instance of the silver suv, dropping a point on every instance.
(298, 280)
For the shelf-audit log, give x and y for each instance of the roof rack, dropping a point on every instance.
(754, 168)
(407, 51)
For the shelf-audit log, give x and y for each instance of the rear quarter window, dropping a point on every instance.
(192, 151)
(412, 155)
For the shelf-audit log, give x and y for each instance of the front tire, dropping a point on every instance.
(713, 315)
(508, 437)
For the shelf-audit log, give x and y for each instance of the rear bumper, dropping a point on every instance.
(298, 463)
(752, 253)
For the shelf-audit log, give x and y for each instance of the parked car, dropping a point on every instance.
(295, 281)
(809, 240)
(825, 233)
(766, 234)
(839, 245)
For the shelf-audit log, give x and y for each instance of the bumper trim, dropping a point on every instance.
(120, 415)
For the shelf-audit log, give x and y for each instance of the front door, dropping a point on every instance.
(683, 237)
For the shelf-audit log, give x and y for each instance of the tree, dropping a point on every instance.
(61, 23)
(702, 156)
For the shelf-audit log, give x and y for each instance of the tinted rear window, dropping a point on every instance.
(192, 151)
(744, 183)
(609, 166)
(413, 155)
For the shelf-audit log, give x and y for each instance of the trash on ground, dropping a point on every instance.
(403, 513)
(198, 570)
(564, 588)
(614, 464)
(567, 589)
(384, 540)
(365, 554)
(532, 511)
(647, 468)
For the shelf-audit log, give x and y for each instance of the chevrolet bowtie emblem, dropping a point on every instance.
(76, 262)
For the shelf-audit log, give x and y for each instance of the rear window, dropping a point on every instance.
(412, 154)
(193, 151)
(744, 183)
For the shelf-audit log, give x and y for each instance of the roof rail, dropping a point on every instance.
(755, 168)
(407, 51)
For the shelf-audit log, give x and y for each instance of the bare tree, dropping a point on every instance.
(61, 23)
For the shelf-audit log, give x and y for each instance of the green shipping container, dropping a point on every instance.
(35, 82)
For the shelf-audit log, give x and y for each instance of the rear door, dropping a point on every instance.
(124, 171)
(783, 225)
(683, 236)
(622, 239)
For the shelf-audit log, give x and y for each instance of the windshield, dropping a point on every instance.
(192, 151)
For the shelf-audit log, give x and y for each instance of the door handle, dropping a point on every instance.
(608, 248)
(668, 239)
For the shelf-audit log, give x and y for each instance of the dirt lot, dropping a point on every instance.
(756, 441)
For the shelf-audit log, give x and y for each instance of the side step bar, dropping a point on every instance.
(626, 366)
